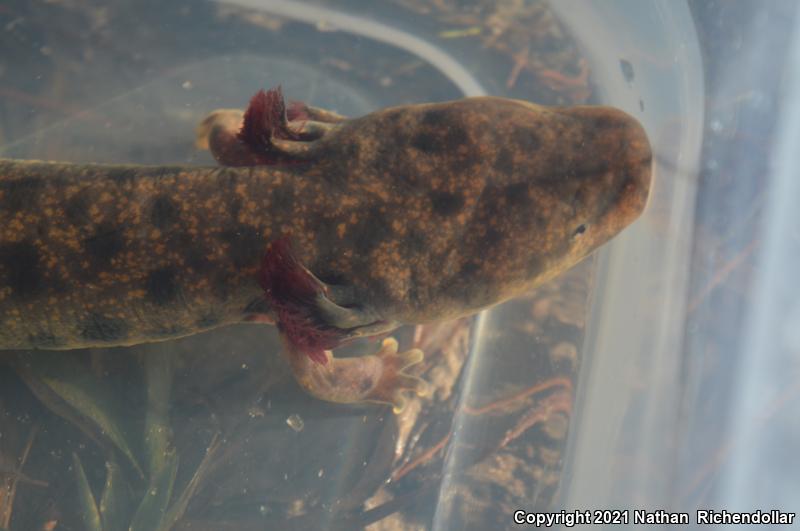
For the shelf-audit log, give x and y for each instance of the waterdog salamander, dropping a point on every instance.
(409, 214)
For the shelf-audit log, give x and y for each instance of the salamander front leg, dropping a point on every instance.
(380, 377)
(311, 325)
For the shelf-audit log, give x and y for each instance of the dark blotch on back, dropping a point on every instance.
(440, 130)
(164, 212)
(20, 194)
(283, 198)
(493, 237)
(456, 136)
(401, 168)
(436, 118)
(378, 290)
(415, 242)
(196, 257)
(468, 268)
(104, 245)
(526, 139)
(234, 207)
(369, 231)
(516, 194)
(504, 161)
(101, 328)
(77, 210)
(162, 285)
(446, 203)
(425, 142)
(245, 245)
(123, 174)
(20, 263)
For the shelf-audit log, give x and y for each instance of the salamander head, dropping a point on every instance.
(565, 182)
(516, 193)
(464, 204)
(602, 183)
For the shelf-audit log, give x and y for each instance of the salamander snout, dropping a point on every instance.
(625, 150)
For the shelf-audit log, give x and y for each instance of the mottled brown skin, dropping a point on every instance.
(410, 214)
(480, 200)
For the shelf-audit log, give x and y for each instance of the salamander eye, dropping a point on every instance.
(580, 230)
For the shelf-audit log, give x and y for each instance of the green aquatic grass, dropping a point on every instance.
(90, 512)
(157, 431)
(153, 507)
(115, 500)
(72, 391)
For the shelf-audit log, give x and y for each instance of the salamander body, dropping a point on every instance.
(407, 215)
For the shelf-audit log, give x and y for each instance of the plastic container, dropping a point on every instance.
(630, 387)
